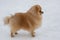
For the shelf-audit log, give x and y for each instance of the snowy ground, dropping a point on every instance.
(50, 29)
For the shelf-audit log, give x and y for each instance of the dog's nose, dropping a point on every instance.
(42, 12)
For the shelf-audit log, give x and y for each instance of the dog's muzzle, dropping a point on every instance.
(42, 12)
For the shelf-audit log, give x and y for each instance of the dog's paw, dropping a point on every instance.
(33, 35)
(12, 35)
(16, 33)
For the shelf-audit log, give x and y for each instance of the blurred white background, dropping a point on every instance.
(50, 29)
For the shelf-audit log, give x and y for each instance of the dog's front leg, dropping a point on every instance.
(33, 33)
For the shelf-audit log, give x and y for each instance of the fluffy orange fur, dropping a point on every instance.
(28, 21)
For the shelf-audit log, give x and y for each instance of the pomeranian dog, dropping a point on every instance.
(28, 21)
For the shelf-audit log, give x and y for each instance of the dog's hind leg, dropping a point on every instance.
(13, 32)
(12, 35)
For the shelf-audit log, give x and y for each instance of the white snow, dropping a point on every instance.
(50, 29)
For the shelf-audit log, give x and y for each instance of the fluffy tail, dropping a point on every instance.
(6, 20)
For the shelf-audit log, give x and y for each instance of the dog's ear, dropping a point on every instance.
(37, 9)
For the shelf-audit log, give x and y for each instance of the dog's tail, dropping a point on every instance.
(7, 19)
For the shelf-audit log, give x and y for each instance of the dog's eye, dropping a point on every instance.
(40, 11)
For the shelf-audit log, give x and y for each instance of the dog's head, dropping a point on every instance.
(36, 9)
